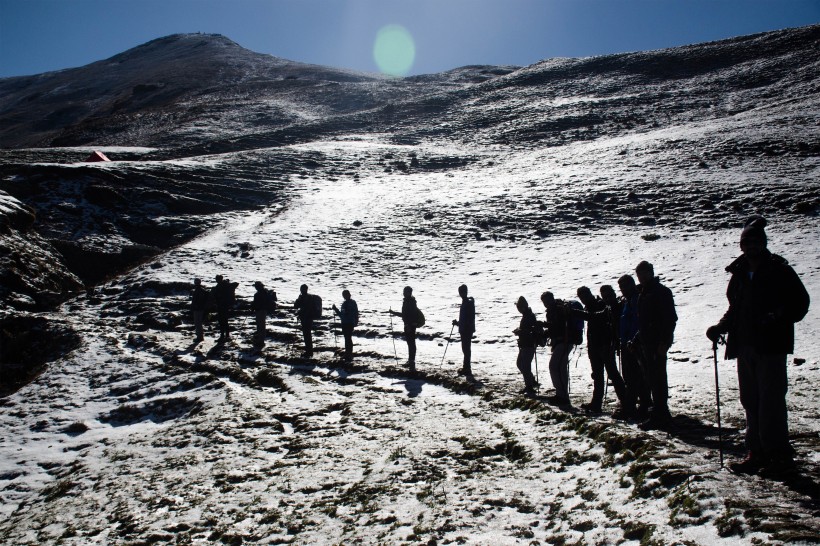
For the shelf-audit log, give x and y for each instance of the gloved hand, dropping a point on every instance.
(713, 333)
(455, 322)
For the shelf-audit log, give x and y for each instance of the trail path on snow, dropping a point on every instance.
(140, 436)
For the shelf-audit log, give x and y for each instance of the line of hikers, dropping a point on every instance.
(627, 338)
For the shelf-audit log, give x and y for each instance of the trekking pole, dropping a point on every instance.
(335, 339)
(445, 347)
(535, 353)
(395, 354)
(717, 398)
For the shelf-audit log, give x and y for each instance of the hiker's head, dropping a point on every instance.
(627, 286)
(522, 304)
(258, 285)
(753, 240)
(408, 291)
(197, 282)
(219, 278)
(303, 289)
(608, 294)
(346, 294)
(585, 295)
(462, 290)
(645, 272)
(547, 299)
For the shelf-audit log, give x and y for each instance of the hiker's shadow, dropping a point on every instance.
(412, 386)
(695, 432)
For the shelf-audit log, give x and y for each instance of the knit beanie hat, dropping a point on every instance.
(753, 229)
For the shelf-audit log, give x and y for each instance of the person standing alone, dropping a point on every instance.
(766, 298)
(466, 328)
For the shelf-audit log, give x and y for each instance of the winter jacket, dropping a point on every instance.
(628, 325)
(656, 314)
(557, 322)
(260, 300)
(199, 299)
(224, 294)
(305, 309)
(763, 307)
(349, 313)
(526, 328)
(466, 317)
(409, 312)
(599, 329)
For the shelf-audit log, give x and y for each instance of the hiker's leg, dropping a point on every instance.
(596, 361)
(467, 349)
(558, 369)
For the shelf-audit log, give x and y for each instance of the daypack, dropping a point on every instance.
(317, 306)
(420, 319)
(270, 300)
(575, 325)
(355, 313)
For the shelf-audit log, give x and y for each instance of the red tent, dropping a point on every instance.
(96, 156)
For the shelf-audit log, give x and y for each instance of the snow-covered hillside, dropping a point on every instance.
(563, 174)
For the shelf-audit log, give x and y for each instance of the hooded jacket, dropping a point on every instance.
(656, 314)
(763, 306)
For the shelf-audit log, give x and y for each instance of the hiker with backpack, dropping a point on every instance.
(199, 305)
(637, 387)
(600, 350)
(656, 332)
(412, 318)
(349, 318)
(224, 295)
(526, 345)
(264, 302)
(766, 298)
(563, 335)
(306, 313)
(466, 329)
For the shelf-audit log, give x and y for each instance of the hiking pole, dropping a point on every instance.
(717, 398)
(395, 354)
(445, 347)
(335, 339)
(535, 353)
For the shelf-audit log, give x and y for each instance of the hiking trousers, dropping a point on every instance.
(559, 369)
(307, 332)
(222, 319)
(637, 389)
(654, 368)
(410, 338)
(347, 332)
(602, 357)
(199, 318)
(763, 383)
(467, 349)
(261, 317)
(524, 363)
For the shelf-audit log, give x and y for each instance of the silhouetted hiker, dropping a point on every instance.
(766, 298)
(600, 349)
(410, 316)
(526, 345)
(349, 318)
(637, 387)
(656, 332)
(466, 328)
(199, 305)
(561, 344)
(306, 313)
(260, 306)
(224, 294)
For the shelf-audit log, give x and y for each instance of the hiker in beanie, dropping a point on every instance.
(410, 316)
(656, 332)
(466, 328)
(637, 387)
(305, 312)
(766, 298)
(199, 304)
(600, 350)
(349, 318)
(526, 345)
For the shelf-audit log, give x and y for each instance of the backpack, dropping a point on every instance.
(355, 313)
(270, 300)
(317, 306)
(420, 319)
(575, 325)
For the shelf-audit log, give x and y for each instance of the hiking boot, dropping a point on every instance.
(657, 421)
(591, 408)
(529, 392)
(753, 462)
(779, 467)
(623, 414)
(642, 412)
(558, 400)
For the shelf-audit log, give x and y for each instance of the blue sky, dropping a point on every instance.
(42, 35)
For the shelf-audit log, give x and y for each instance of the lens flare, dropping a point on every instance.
(394, 50)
